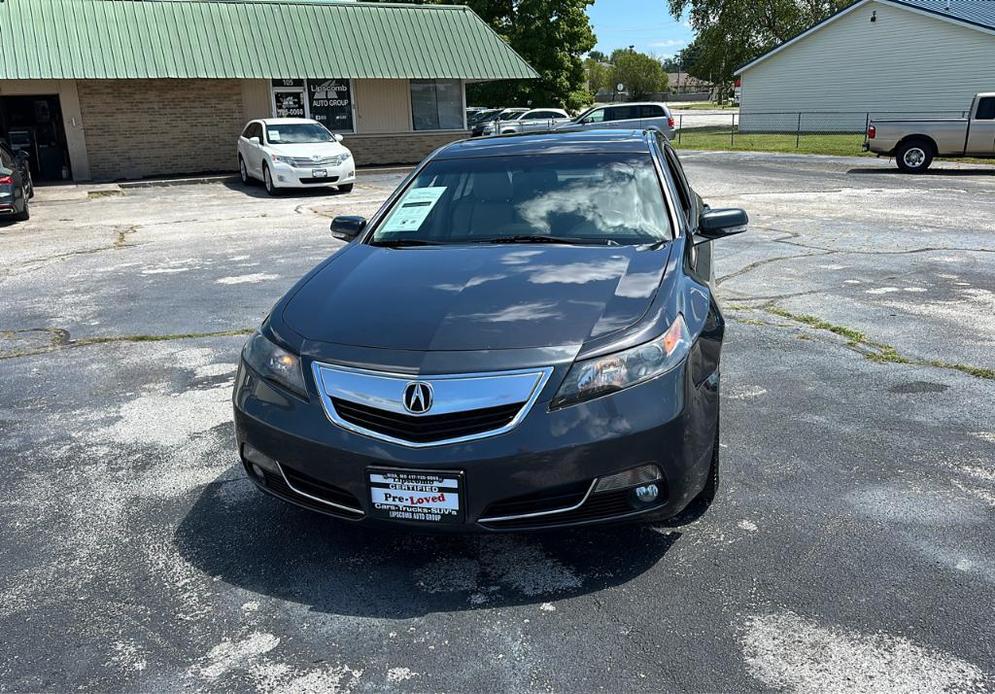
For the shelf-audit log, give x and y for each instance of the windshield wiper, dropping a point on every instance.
(539, 238)
(402, 243)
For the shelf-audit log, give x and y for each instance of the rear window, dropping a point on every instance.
(596, 198)
(651, 111)
(622, 112)
(986, 108)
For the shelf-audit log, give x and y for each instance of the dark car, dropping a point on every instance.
(15, 186)
(524, 336)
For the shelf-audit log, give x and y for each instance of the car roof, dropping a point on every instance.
(286, 121)
(634, 103)
(595, 141)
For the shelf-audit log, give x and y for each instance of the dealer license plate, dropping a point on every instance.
(319, 173)
(406, 495)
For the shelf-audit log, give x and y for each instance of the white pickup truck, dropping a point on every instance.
(914, 143)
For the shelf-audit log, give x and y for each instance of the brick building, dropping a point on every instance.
(112, 89)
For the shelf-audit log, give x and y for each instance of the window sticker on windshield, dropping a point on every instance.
(413, 209)
(274, 135)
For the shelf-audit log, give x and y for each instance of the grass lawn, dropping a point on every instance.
(698, 106)
(841, 144)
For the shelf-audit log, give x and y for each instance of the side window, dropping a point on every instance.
(247, 133)
(622, 112)
(986, 109)
(651, 111)
(597, 116)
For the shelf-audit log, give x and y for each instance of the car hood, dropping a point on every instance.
(484, 297)
(308, 149)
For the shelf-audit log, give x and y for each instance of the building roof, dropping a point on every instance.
(977, 14)
(608, 140)
(136, 39)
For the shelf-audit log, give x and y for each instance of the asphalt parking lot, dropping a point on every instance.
(850, 549)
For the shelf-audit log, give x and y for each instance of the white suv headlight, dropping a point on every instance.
(602, 375)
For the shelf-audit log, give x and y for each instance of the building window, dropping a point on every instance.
(437, 104)
(328, 101)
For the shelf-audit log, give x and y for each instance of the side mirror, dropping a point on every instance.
(347, 227)
(254, 140)
(338, 137)
(716, 224)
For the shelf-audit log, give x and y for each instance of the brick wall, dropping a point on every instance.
(397, 148)
(138, 128)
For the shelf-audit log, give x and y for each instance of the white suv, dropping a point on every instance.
(294, 153)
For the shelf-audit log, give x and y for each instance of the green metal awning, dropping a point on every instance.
(140, 39)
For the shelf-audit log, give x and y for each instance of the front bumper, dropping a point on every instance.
(287, 176)
(538, 475)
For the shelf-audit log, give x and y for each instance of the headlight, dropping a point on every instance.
(602, 375)
(280, 159)
(340, 159)
(274, 364)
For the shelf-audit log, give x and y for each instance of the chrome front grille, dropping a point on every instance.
(462, 407)
(304, 162)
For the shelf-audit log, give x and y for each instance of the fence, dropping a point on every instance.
(756, 130)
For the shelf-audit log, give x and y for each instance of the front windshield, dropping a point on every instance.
(481, 117)
(578, 198)
(297, 133)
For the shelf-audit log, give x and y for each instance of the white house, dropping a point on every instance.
(878, 57)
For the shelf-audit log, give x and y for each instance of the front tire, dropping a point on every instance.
(243, 172)
(25, 214)
(268, 181)
(346, 187)
(914, 156)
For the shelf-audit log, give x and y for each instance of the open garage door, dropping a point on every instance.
(34, 124)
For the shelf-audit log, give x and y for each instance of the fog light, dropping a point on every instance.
(258, 472)
(258, 459)
(647, 494)
(629, 478)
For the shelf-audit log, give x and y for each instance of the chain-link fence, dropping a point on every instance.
(833, 131)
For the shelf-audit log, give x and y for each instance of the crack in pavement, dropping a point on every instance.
(766, 261)
(858, 342)
(29, 266)
(61, 339)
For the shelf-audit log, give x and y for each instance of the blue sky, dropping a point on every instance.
(645, 24)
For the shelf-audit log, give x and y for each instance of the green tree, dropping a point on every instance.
(730, 33)
(598, 56)
(552, 36)
(599, 76)
(640, 73)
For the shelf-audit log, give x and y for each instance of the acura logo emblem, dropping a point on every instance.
(417, 397)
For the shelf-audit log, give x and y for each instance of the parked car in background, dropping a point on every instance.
(544, 350)
(294, 153)
(505, 114)
(626, 116)
(480, 116)
(16, 187)
(915, 142)
(530, 121)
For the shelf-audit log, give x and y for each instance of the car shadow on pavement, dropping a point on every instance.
(250, 540)
(255, 189)
(929, 172)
